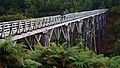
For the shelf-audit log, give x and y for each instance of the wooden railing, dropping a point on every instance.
(21, 26)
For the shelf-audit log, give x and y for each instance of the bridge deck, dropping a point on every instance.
(23, 28)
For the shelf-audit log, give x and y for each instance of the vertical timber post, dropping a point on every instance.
(79, 30)
(94, 35)
(66, 33)
(98, 35)
(57, 32)
(46, 40)
(68, 36)
(47, 37)
(72, 27)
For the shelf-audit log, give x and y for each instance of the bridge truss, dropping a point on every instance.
(87, 27)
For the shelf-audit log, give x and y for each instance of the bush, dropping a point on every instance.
(31, 64)
(115, 10)
(116, 27)
(15, 56)
(61, 57)
(117, 47)
(12, 17)
(114, 62)
(53, 57)
(116, 30)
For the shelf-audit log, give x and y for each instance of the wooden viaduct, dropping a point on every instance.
(87, 27)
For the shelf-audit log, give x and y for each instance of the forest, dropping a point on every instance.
(78, 56)
(37, 8)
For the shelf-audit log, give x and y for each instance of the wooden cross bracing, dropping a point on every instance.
(89, 27)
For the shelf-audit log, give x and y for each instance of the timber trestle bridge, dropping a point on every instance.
(87, 27)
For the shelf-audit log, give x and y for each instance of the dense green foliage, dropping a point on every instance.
(61, 57)
(15, 56)
(36, 8)
(116, 27)
(116, 30)
(53, 57)
(12, 17)
(115, 10)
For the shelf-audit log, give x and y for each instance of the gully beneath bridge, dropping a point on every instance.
(87, 27)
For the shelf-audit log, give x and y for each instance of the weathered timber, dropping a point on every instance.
(89, 27)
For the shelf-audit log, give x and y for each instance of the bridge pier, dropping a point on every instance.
(68, 36)
(94, 35)
(66, 33)
(57, 33)
(79, 30)
(46, 40)
(47, 37)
